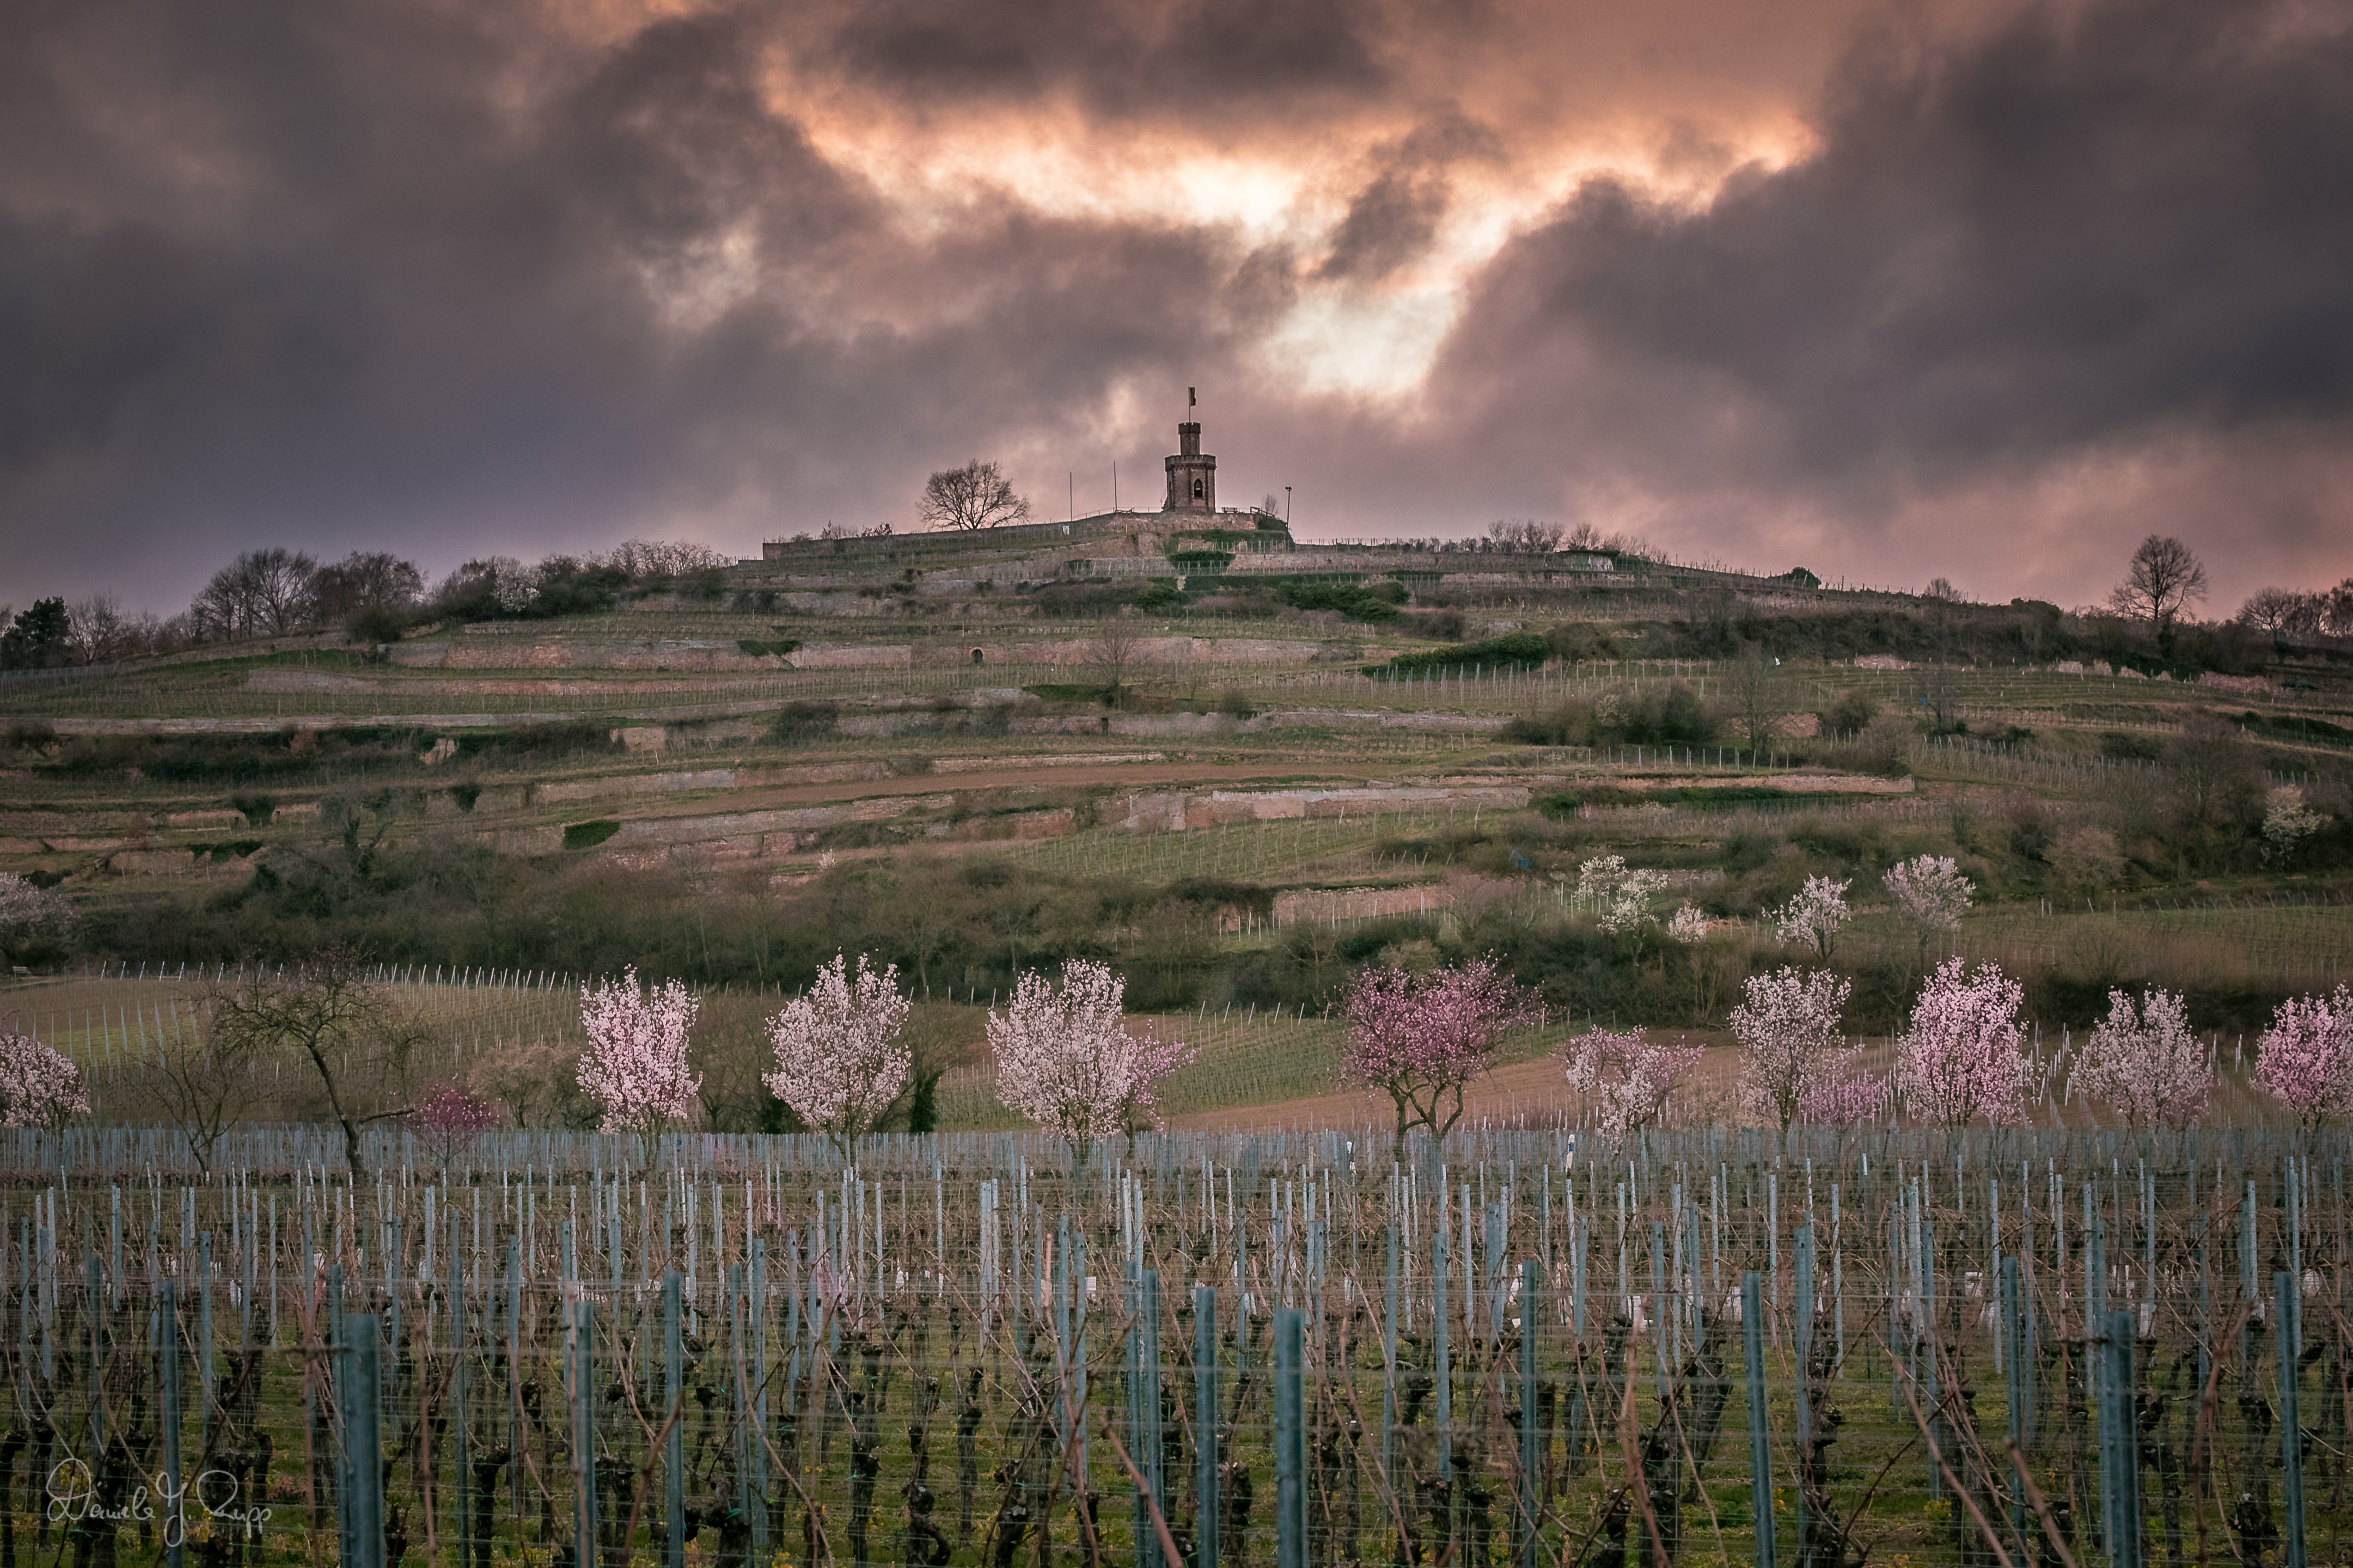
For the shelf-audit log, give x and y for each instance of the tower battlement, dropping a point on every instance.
(1192, 476)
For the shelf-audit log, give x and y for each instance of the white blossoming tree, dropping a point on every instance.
(2144, 1059)
(1813, 917)
(1689, 925)
(1789, 1024)
(2288, 822)
(38, 1088)
(1623, 894)
(840, 1062)
(1930, 895)
(31, 917)
(635, 1067)
(1065, 1059)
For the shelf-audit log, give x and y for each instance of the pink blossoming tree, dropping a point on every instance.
(2144, 1059)
(635, 1067)
(1624, 1078)
(1843, 1094)
(38, 1088)
(2305, 1060)
(1965, 1054)
(840, 1062)
(450, 1118)
(1814, 916)
(1065, 1058)
(1422, 1038)
(1789, 1024)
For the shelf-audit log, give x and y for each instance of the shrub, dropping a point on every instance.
(1576, 640)
(1352, 600)
(1514, 651)
(799, 722)
(589, 835)
(540, 742)
(1850, 713)
(378, 624)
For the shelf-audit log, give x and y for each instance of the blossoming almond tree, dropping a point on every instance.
(31, 916)
(1420, 1038)
(1930, 895)
(1788, 1025)
(38, 1088)
(1624, 895)
(2144, 1059)
(1813, 916)
(451, 1118)
(1065, 1058)
(635, 1067)
(840, 1063)
(2287, 822)
(1965, 1054)
(2305, 1060)
(1625, 1078)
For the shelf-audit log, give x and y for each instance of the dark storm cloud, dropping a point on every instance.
(411, 279)
(454, 279)
(1121, 59)
(1392, 220)
(2083, 230)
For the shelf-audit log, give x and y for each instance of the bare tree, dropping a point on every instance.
(96, 631)
(1940, 690)
(2283, 612)
(2337, 609)
(1527, 535)
(1585, 536)
(262, 593)
(347, 1028)
(368, 580)
(971, 498)
(2162, 580)
(1752, 692)
(202, 1079)
(1941, 589)
(1114, 651)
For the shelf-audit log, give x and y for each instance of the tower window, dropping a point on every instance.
(1196, 490)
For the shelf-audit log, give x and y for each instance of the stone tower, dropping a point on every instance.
(1192, 477)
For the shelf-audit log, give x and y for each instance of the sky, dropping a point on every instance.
(1972, 289)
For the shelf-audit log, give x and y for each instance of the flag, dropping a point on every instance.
(1190, 400)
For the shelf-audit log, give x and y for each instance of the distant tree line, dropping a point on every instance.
(372, 595)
